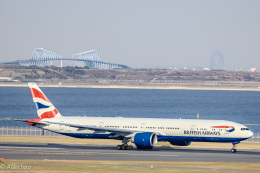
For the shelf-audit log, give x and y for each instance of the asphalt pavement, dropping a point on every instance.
(105, 152)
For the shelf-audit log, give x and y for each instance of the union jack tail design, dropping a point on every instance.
(45, 108)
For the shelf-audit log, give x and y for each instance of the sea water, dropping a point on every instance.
(238, 106)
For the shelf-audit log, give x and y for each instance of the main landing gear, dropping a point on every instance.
(233, 150)
(124, 146)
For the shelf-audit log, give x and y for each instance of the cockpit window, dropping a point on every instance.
(244, 129)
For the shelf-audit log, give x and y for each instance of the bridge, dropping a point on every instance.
(43, 57)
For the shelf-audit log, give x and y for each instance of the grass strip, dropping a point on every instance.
(98, 166)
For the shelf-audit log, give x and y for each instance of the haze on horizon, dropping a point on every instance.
(139, 34)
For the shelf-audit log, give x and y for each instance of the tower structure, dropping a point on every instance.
(217, 61)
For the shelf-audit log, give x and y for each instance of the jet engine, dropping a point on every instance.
(180, 143)
(146, 140)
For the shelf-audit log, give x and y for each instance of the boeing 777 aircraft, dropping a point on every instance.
(143, 132)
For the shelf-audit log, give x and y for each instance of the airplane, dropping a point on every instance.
(143, 132)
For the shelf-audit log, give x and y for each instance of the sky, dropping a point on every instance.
(137, 33)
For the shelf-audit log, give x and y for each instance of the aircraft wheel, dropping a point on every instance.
(129, 147)
(233, 150)
(138, 147)
(119, 147)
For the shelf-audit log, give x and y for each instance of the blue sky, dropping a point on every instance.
(140, 34)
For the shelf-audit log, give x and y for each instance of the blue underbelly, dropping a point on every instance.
(160, 138)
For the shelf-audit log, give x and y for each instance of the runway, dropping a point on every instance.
(104, 152)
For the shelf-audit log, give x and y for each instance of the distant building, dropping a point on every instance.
(253, 69)
(6, 78)
(79, 64)
(206, 69)
(217, 61)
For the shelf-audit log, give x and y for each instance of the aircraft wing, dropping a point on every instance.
(97, 129)
(113, 131)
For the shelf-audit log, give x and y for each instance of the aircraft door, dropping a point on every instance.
(101, 124)
(193, 127)
(142, 127)
(61, 126)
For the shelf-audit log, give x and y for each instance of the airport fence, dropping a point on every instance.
(26, 131)
(34, 131)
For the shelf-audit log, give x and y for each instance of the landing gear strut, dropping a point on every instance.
(124, 146)
(233, 150)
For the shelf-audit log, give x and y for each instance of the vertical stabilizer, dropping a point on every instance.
(45, 108)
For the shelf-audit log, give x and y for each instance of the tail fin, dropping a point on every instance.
(45, 108)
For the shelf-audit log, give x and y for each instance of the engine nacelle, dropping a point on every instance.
(180, 143)
(146, 140)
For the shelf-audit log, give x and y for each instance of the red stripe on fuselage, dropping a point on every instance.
(49, 114)
(37, 94)
(224, 127)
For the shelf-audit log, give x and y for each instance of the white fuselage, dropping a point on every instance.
(167, 129)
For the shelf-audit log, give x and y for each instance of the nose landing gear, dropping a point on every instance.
(233, 150)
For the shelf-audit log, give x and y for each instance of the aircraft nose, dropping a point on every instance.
(250, 134)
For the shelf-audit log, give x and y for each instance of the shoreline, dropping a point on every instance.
(136, 87)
